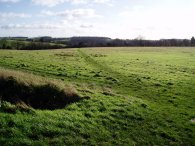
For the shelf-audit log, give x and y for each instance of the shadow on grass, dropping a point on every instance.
(46, 96)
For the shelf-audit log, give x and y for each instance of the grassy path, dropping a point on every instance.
(119, 81)
(93, 62)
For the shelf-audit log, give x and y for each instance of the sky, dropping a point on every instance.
(125, 19)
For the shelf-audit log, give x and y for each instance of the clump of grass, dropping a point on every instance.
(108, 91)
(27, 90)
(193, 120)
(8, 107)
(112, 79)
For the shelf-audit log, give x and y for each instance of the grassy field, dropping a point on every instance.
(133, 96)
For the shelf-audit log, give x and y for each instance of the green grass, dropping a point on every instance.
(138, 96)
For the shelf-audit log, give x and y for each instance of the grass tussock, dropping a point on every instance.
(28, 90)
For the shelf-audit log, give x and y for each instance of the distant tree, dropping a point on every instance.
(81, 44)
(17, 45)
(42, 39)
(186, 42)
(192, 41)
(3, 44)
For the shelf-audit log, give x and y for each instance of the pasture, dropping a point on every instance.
(130, 96)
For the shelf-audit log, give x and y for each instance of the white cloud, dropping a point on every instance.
(157, 23)
(71, 14)
(102, 1)
(56, 29)
(49, 3)
(31, 26)
(77, 1)
(13, 15)
(88, 1)
(52, 3)
(48, 25)
(9, 1)
(86, 26)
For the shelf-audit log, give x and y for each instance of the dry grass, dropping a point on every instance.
(26, 89)
(29, 79)
(193, 120)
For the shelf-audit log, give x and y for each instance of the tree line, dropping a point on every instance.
(79, 42)
(107, 42)
(24, 45)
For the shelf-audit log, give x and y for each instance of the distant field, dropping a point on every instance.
(137, 96)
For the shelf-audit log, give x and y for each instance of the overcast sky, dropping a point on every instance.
(151, 19)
